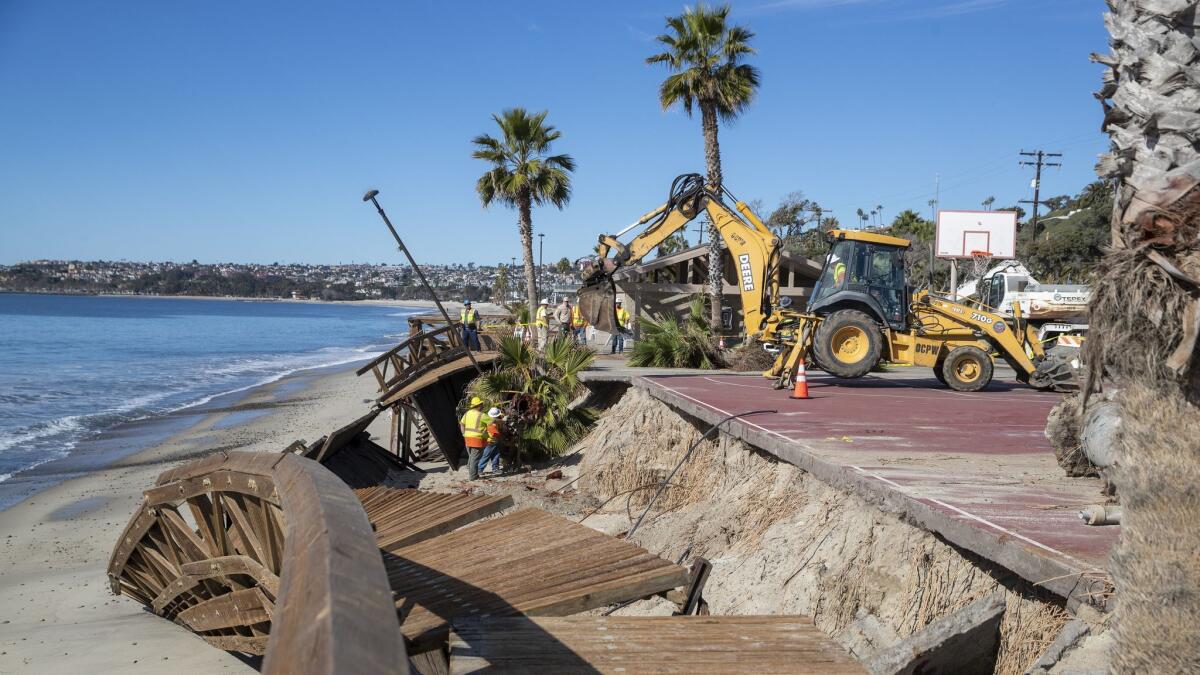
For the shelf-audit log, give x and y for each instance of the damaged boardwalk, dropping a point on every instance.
(974, 468)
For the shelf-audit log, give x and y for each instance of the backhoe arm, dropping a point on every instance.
(754, 248)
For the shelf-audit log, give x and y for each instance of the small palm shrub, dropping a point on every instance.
(667, 343)
(536, 390)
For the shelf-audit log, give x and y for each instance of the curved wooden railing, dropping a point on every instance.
(417, 355)
(264, 554)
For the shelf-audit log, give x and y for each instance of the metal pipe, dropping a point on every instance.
(370, 197)
(1097, 514)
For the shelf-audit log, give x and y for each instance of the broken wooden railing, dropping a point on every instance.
(263, 554)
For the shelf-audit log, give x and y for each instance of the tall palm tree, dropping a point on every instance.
(1143, 311)
(987, 203)
(523, 174)
(703, 53)
(862, 217)
(879, 210)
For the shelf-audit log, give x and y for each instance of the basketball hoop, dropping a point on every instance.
(980, 261)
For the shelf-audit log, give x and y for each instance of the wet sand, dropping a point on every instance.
(57, 613)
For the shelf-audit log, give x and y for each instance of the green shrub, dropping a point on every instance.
(667, 343)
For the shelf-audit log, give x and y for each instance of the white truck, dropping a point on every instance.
(1057, 311)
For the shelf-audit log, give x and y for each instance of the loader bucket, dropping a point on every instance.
(597, 303)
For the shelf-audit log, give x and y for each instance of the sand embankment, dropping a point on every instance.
(56, 611)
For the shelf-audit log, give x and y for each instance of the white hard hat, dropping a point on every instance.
(545, 301)
(494, 412)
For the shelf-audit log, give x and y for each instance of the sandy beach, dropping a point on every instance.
(58, 612)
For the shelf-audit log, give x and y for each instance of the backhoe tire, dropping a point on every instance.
(848, 343)
(967, 368)
(937, 371)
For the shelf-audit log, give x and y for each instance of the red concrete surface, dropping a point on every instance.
(979, 459)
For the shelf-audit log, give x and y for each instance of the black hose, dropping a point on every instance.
(667, 481)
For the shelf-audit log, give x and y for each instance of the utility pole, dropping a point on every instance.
(1038, 163)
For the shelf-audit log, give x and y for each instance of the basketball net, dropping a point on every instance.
(980, 261)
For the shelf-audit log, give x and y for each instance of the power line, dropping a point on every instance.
(1039, 162)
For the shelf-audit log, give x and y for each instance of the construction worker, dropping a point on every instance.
(473, 425)
(542, 323)
(491, 452)
(562, 314)
(578, 326)
(470, 326)
(839, 272)
(618, 338)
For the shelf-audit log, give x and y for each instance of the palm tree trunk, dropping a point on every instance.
(1139, 315)
(712, 157)
(525, 226)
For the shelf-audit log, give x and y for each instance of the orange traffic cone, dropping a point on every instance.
(801, 390)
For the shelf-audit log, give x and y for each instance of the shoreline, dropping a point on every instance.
(110, 446)
(56, 542)
(372, 302)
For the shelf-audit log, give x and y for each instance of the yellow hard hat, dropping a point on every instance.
(475, 400)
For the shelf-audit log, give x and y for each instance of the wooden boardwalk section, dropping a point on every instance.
(646, 644)
(263, 553)
(529, 562)
(403, 517)
(429, 372)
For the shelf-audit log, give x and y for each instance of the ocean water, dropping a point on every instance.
(72, 367)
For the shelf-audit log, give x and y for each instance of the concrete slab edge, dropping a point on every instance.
(1056, 576)
(963, 642)
(1067, 638)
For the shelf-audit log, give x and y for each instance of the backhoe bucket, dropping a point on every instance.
(597, 303)
(1058, 371)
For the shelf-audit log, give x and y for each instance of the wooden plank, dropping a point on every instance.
(239, 608)
(238, 643)
(660, 644)
(403, 517)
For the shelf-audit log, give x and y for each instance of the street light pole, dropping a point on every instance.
(370, 197)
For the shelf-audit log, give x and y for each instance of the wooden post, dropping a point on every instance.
(394, 438)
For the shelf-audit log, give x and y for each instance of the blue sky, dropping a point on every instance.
(248, 131)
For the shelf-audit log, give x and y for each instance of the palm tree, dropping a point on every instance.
(523, 174)
(862, 217)
(987, 203)
(1143, 305)
(703, 53)
(668, 343)
(536, 391)
(879, 210)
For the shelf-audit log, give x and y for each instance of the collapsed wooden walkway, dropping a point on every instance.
(529, 562)
(403, 517)
(645, 644)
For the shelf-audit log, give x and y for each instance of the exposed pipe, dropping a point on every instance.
(1098, 514)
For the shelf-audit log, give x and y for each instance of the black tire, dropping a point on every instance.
(937, 371)
(967, 368)
(848, 343)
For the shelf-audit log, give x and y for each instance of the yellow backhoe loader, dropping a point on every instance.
(861, 311)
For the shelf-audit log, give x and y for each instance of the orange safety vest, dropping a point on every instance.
(474, 423)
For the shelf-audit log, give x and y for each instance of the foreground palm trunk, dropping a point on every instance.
(525, 226)
(1145, 314)
(712, 157)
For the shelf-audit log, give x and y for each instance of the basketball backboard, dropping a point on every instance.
(961, 233)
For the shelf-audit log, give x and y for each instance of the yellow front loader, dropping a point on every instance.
(861, 311)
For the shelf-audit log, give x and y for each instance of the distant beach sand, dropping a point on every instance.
(58, 612)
